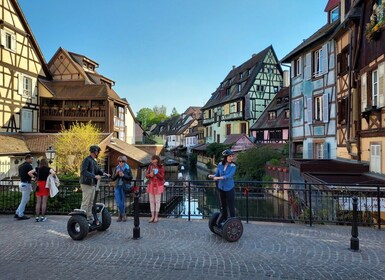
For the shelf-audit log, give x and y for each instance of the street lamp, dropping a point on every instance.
(50, 154)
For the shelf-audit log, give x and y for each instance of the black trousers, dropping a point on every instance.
(227, 199)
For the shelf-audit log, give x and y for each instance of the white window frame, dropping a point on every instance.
(332, 14)
(297, 108)
(319, 150)
(8, 40)
(375, 88)
(298, 67)
(375, 158)
(318, 108)
(318, 60)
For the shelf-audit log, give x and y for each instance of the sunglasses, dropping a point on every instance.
(121, 161)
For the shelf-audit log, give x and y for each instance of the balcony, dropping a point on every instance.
(232, 116)
(72, 112)
(209, 120)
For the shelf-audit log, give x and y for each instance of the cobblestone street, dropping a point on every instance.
(178, 249)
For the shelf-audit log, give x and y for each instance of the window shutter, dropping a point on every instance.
(364, 93)
(325, 109)
(309, 108)
(307, 70)
(2, 39)
(300, 65)
(326, 150)
(292, 70)
(20, 89)
(381, 84)
(310, 151)
(325, 58)
(375, 158)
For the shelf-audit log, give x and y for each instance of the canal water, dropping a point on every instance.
(204, 200)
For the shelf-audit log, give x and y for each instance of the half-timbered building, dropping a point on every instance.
(78, 93)
(313, 95)
(242, 96)
(21, 65)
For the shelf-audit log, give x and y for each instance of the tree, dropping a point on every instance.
(216, 149)
(174, 113)
(145, 116)
(251, 163)
(160, 110)
(72, 146)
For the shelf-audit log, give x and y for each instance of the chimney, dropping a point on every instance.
(286, 78)
(254, 54)
(234, 67)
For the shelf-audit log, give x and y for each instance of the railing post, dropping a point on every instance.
(354, 241)
(247, 205)
(378, 208)
(310, 208)
(189, 201)
(136, 229)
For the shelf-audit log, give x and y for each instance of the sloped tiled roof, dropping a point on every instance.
(320, 34)
(279, 104)
(233, 138)
(12, 145)
(131, 151)
(255, 63)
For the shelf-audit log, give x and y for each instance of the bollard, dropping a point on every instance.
(354, 241)
(136, 229)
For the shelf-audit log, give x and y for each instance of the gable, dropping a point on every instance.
(63, 68)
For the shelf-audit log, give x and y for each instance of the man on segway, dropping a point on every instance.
(90, 174)
(225, 180)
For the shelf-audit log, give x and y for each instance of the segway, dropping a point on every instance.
(78, 226)
(231, 229)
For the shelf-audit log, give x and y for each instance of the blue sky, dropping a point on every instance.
(170, 52)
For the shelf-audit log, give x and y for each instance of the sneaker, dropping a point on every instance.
(23, 218)
(43, 219)
(16, 216)
(37, 219)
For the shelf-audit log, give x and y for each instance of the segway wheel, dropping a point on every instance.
(106, 220)
(212, 221)
(77, 227)
(232, 229)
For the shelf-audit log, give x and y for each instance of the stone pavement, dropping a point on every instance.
(178, 249)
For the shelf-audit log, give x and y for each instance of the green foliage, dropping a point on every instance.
(174, 113)
(267, 178)
(72, 146)
(209, 165)
(275, 162)
(215, 150)
(68, 176)
(251, 163)
(144, 116)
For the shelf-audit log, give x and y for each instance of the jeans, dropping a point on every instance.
(26, 190)
(120, 197)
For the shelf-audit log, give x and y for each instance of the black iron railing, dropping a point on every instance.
(263, 201)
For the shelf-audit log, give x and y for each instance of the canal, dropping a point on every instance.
(203, 202)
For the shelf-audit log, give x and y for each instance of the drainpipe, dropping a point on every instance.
(349, 122)
(290, 124)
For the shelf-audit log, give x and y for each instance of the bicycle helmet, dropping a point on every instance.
(94, 148)
(227, 152)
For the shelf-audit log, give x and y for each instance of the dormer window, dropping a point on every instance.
(241, 76)
(279, 100)
(334, 14)
(239, 87)
(272, 115)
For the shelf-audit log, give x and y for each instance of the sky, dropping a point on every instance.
(171, 53)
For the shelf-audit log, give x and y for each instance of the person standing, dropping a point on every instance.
(155, 186)
(90, 173)
(123, 175)
(24, 186)
(41, 174)
(225, 178)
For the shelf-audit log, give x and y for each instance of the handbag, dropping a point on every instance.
(34, 185)
(127, 187)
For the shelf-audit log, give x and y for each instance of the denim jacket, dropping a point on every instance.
(227, 183)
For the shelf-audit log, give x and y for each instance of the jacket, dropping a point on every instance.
(127, 177)
(155, 184)
(88, 171)
(227, 184)
(52, 184)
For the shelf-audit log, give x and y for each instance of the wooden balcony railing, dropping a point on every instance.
(82, 112)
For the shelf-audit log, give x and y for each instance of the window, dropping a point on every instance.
(275, 135)
(334, 14)
(27, 86)
(243, 128)
(342, 110)
(318, 57)
(260, 88)
(239, 87)
(287, 114)
(238, 106)
(272, 115)
(375, 158)
(375, 88)
(228, 129)
(279, 100)
(8, 40)
(241, 75)
(259, 136)
(319, 150)
(318, 108)
(297, 67)
(343, 61)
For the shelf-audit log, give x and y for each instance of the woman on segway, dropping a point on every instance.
(225, 178)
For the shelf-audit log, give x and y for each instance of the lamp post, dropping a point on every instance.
(50, 154)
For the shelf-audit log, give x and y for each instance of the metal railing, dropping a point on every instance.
(262, 201)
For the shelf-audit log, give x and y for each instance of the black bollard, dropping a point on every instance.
(354, 241)
(136, 230)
